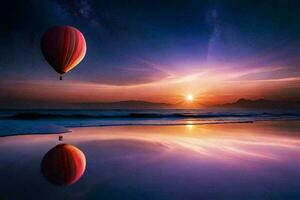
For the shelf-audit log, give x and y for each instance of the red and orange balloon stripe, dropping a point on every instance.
(63, 47)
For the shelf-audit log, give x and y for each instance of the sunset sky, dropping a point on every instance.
(159, 51)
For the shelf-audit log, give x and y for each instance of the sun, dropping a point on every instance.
(189, 97)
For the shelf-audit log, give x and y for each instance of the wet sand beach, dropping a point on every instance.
(258, 160)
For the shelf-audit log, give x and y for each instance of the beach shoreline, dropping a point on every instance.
(66, 129)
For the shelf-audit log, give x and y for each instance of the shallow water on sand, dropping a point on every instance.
(260, 160)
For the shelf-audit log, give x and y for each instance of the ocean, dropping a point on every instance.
(13, 122)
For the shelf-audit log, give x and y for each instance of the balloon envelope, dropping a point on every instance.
(63, 165)
(63, 47)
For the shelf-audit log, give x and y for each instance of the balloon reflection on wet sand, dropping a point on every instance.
(64, 164)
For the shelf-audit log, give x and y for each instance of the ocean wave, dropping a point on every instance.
(36, 115)
(10, 128)
(58, 121)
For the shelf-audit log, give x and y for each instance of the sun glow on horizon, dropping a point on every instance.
(189, 97)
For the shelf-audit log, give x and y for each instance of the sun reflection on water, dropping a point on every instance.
(190, 125)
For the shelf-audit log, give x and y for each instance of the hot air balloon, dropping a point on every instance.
(63, 165)
(63, 47)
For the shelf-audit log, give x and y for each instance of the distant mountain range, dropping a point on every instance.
(241, 103)
(134, 104)
(125, 105)
(262, 104)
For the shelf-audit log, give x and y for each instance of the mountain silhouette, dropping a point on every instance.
(131, 104)
(262, 104)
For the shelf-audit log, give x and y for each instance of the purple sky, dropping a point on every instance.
(218, 51)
